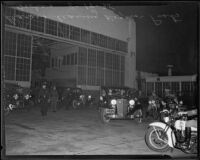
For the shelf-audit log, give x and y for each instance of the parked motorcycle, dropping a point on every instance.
(170, 133)
(154, 108)
(89, 101)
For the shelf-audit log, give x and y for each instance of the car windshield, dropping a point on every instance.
(113, 92)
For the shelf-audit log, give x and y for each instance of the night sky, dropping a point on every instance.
(169, 40)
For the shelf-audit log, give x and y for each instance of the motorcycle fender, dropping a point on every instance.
(170, 133)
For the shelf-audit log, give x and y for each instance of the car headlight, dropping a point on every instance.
(101, 98)
(131, 102)
(89, 96)
(113, 102)
(16, 96)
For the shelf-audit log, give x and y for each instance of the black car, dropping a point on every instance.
(119, 103)
(71, 96)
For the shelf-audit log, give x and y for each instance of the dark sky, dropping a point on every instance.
(169, 41)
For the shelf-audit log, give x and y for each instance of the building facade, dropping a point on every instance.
(88, 46)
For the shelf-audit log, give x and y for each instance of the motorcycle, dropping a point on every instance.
(170, 133)
(153, 108)
(89, 100)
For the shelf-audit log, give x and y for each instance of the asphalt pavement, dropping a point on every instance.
(75, 132)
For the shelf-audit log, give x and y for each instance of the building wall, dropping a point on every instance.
(94, 18)
(116, 32)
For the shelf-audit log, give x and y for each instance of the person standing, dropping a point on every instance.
(54, 99)
(44, 99)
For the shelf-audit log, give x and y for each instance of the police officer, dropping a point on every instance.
(44, 99)
(54, 99)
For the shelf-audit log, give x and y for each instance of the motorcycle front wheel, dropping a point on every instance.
(156, 139)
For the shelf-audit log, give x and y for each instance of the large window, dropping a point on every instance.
(92, 57)
(37, 23)
(109, 61)
(85, 36)
(23, 69)
(82, 75)
(22, 19)
(108, 77)
(150, 87)
(111, 43)
(17, 66)
(9, 16)
(10, 43)
(74, 33)
(23, 46)
(91, 80)
(51, 27)
(100, 59)
(63, 30)
(100, 77)
(158, 88)
(9, 64)
(82, 56)
(175, 87)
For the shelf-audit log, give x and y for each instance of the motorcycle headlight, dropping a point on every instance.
(89, 96)
(101, 98)
(166, 119)
(81, 96)
(150, 102)
(181, 102)
(16, 96)
(131, 102)
(27, 96)
(113, 102)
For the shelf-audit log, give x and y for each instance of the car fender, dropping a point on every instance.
(170, 133)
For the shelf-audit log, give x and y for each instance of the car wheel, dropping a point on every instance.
(104, 118)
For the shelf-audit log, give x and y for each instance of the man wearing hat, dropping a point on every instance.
(44, 99)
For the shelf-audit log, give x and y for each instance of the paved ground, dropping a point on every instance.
(74, 132)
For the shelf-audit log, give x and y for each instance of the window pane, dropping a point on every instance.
(108, 77)
(9, 63)
(9, 16)
(74, 33)
(81, 75)
(91, 57)
(63, 30)
(24, 46)
(109, 60)
(82, 56)
(10, 43)
(91, 76)
(23, 69)
(94, 38)
(85, 36)
(51, 27)
(100, 59)
(100, 77)
(111, 43)
(22, 19)
(37, 23)
(122, 63)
